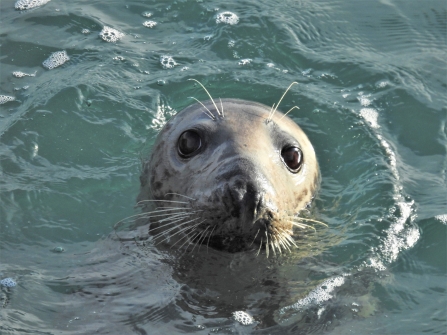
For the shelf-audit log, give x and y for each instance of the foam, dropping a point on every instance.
(110, 35)
(85, 31)
(245, 61)
(28, 4)
(167, 62)
(399, 237)
(8, 282)
(5, 98)
(442, 218)
(243, 318)
(227, 18)
(20, 74)
(317, 296)
(56, 59)
(149, 24)
(371, 116)
(147, 14)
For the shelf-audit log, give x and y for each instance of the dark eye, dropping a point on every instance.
(293, 158)
(189, 143)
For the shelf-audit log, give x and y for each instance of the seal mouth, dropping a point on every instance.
(236, 241)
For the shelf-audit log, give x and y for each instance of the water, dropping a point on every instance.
(372, 98)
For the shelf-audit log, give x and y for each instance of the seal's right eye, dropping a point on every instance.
(189, 144)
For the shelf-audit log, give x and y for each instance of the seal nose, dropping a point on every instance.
(245, 198)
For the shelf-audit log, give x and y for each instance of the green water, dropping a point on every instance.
(372, 95)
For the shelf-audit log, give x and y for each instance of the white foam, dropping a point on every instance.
(56, 59)
(147, 14)
(371, 116)
(243, 318)
(20, 74)
(149, 24)
(85, 31)
(399, 236)
(317, 296)
(6, 98)
(227, 18)
(442, 218)
(167, 62)
(110, 35)
(245, 61)
(364, 101)
(28, 4)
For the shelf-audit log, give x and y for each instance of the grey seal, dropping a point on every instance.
(232, 175)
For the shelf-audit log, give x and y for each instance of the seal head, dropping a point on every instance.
(233, 178)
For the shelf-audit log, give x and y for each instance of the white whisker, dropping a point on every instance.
(217, 109)
(181, 195)
(210, 114)
(274, 111)
(291, 109)
(221, 107)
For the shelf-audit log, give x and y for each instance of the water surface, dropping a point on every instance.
(372, 97)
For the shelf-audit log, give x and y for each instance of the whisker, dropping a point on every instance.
(221, 107)
(209, 238)
(302, 225)
(203, 238)
(288, 88)
(217, 109)
(312, 220)
(270, 113)
(210, 114)
(260, 245)
(181, 231)
(168, 224)
(181, 195)
(173, 228)
(154, 200)
(189, 240)
(267, 244)
(291, 109)
(254, 238)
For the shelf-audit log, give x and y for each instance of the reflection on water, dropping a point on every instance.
(372, 99)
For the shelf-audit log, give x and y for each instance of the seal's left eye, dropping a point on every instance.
(189, 144)
(293, 158)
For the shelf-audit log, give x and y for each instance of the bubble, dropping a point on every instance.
(227, 18)
(231, 43)
(110, 35)
(120, 58)
(20, 74)
(147, 14)
(85, 31)
(149, 24)
(243, 318)
(58, 250)
(56, 59)
(5, 98)
(185, 68)
(167, 62)
(8, 282)
(245, 61)
(28, 4)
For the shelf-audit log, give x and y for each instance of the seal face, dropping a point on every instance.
(233, 178)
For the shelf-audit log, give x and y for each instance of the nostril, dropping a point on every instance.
(245, 198)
